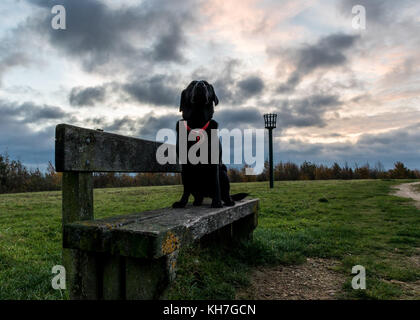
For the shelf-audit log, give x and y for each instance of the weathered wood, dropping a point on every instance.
(77, 199)
(81, 274)
(153, 234)
(146, 279)
(77, 205)
(221, 237)
(113, 278)
(85, 150)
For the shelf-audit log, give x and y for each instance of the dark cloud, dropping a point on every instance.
(145, 127)
(87, 96)
(158, 90)
(13, 53)
(232, 85)
(96, 122)
(104, 37)
(224, 82)
(151, 124)
(122, 124)
(328, 52)
(10, 61)
(44, 113)
(305, 112)
(401, 141)
(29, 112)
(251, 86)
(241, 118)
(169, 46)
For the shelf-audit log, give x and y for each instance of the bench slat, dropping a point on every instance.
(153, 234)
(85, 150)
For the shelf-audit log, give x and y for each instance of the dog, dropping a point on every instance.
(202, 180)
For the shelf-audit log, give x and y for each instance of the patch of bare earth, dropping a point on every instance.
(313, 280)
(408, 190)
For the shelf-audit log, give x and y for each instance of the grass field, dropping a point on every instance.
(355, 222)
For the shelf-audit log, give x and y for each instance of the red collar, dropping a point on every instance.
(203, 128)
(200, 130)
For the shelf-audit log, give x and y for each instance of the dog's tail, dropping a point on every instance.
(239, 196)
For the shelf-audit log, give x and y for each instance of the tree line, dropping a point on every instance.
(312, 171)
(15, 177)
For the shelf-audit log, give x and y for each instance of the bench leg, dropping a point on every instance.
(222, 236)
(81, 274)
(77, 204)
(145, 279)
(94, 276)
(113, 278)
(243, 229)
(240, 230)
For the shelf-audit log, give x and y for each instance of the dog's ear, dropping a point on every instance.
(183, 102)
(215, 98)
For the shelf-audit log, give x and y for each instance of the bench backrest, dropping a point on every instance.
(79, 152)
(85, 150)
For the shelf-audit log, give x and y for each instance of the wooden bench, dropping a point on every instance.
(131, 256)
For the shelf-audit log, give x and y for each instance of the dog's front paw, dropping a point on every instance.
(179, 204)
(216, 204)
(229, 203)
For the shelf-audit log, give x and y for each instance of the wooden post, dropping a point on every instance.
(77, 196)
(81, 275)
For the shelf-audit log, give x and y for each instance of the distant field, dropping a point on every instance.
(355, 222)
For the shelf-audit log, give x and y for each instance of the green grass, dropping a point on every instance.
(355, 222)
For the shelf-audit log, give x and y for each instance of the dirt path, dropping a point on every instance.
(405, 190)
(312, 280)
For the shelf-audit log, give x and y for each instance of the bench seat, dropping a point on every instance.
(153, 234)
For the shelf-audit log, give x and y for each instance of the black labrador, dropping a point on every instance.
(201, 179)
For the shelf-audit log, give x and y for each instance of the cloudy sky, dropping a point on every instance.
(341, 94)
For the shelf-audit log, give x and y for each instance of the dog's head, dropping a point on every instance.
(197, 102)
